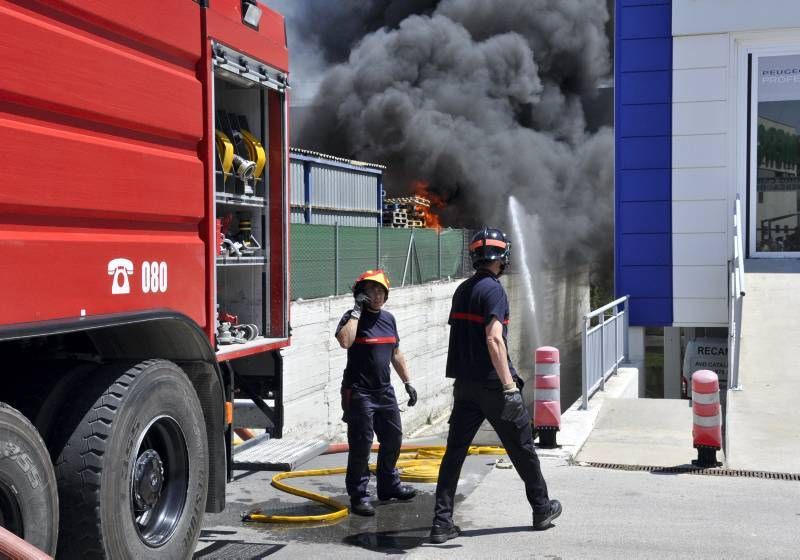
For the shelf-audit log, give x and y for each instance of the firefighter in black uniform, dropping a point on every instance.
(369, 334)
(486, 386)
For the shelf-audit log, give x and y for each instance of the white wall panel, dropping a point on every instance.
(700, 183)
(700, 51)
(693, 249)
(699, 84)
(689, 312)
(705, 150)
(692, 17)
(699, 281)
(705, 216)
(700, 117)
(701, 131)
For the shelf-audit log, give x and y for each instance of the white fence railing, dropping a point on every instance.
(605, 345)
(736, 292)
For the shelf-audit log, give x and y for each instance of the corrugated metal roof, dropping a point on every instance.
(319, 155)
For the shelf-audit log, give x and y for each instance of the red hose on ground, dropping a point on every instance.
(344, 447)
(14, 548)
(244, 433)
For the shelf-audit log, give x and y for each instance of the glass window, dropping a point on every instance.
(776, 158)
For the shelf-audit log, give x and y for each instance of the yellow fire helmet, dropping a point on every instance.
(378, 276)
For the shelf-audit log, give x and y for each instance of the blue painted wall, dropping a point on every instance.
(643, 158)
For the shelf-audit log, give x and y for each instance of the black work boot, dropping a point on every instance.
(443, 533)
(362, 507)
(400, 492)
(542, 520)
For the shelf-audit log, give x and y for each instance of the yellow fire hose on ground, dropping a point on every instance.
(416, 464)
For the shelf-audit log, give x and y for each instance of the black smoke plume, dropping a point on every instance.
(481, 99)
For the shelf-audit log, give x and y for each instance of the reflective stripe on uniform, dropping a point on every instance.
(707, 421)
(470, 317)
(467, 317)
(378, 340)
(548, 369)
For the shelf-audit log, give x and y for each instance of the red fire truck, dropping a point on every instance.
(144, 276)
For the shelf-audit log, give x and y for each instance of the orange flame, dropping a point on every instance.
(431, 217)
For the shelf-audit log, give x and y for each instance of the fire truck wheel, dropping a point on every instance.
(28, 497)
(133, 468)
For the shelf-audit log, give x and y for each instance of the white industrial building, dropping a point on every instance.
(707, 112)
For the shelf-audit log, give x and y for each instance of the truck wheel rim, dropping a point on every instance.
(10, 512)
(159, 480)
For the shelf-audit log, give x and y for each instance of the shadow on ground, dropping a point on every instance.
(404, 540)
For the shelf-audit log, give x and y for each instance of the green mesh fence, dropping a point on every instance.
(357, 253)
(394, 248)
(454, 253)
(326, 259)
(313, 252)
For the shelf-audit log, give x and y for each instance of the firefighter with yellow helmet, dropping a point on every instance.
(369, 333)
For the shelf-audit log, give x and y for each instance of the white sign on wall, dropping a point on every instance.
(779, 78)
(706, 353)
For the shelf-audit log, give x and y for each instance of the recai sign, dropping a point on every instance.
(706, 353)
(779, 78)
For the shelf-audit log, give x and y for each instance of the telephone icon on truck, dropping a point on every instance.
(120, 269)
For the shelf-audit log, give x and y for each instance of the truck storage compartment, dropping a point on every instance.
(248, 113)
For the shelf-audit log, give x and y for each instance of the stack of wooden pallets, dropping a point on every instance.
(394, 216)
(405, 212)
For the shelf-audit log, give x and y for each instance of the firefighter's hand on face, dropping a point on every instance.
(412, 394)
(361, 299)
(512, 402)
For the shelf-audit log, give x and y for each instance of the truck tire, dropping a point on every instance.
(28, 495)
(133, 466)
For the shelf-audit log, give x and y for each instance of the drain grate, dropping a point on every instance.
(686, 469)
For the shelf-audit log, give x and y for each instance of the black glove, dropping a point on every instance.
(412, 394)
(361, 300)
(513, 406)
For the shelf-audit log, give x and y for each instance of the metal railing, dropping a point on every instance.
(605, 345)
(736, 293)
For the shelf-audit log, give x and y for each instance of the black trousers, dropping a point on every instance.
(368, 414)
(473, 402)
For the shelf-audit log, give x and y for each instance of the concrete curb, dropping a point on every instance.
(577, 424)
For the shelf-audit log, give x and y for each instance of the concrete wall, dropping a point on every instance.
(562, 299)
(314, 363)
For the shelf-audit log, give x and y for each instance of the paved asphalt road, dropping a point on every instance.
(608, 514)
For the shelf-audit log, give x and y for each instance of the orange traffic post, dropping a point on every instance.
(707, 418)
(547, 396)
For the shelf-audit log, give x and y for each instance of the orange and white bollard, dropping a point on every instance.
(707, 413)
(547, 396)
